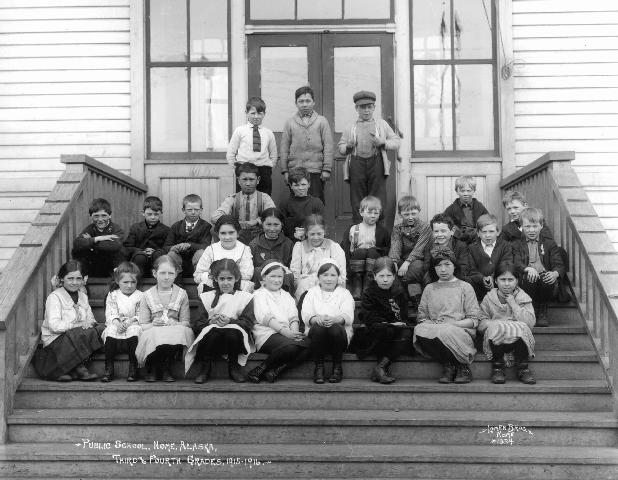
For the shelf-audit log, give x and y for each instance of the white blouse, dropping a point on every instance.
(266, 305)
(62, 314)
(336, 303)
(241, 254)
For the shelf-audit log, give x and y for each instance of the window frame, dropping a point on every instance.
(187, 65)
(319, 21)
(453, 62)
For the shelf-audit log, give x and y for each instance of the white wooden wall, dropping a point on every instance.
(566, 91)
(64, 83)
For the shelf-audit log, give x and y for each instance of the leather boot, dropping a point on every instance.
(356, 285)
(272, 374)
(497, 373)
(83, 374)
(132, 375)
(464, 375)
(108, 376)
(541, 315)
(524, 374)
(255, 375)
(318, 372)
(379, 372)
(150, 374)
(166, 375)
(448, 373)
(204, 373)
(235, 371)
(337, 374)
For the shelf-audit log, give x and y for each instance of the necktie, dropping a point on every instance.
(248, 207)
(257, 141)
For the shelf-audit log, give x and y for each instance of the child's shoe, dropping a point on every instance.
(132, 375)
(64, 378)
(166, 375)
(204, 374)
(448, 373)
(525, 375)
(255, 375)
(272, 374)
(497, 373)
(108, 376)
(541, 315)
(318, 372)
(380, 372)
(84, 375)
(337, 375)
(235, 372)
(356, 285)
(464, 375)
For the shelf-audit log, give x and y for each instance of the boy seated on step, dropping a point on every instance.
(188, 237)
(514, 203)
(300, 204)
(539, 263)
(487, 252)
(442, 231)
(145, 241)
(466, 209)
(99, 246)
(363, 244)
(408, 242)
(247, 205)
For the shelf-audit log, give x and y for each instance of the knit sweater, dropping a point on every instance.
(384, 306)
(307, 145)
(296, 209)
(264, 250)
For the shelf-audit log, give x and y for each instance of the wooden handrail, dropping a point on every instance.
(551, 184)
(25, 282)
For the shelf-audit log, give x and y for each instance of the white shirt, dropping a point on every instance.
(240, 148)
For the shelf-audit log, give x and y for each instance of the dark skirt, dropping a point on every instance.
(66, 352)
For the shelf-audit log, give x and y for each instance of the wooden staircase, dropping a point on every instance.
(415, 428)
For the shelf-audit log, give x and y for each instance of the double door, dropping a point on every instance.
(335, 66)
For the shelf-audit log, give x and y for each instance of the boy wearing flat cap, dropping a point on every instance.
(365, 143)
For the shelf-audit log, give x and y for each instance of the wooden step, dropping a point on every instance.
(399, 427)
(547, 365)
(561, 395)
(322, 460)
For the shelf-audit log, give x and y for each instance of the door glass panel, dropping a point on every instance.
(168, 30)
(209, 30)
(472, 28)
(168, 112)
(271, 9)
(310, 9)
(355, 68)
(283, 70)
(370, 9)
(431, 38)
(432, 107)
(209, 109)
(475, 109)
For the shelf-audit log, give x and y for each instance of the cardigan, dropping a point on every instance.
(307, 145)
(379, 305)
(142, 236)
(62, 314)
(336, 303)
(467, 232)
(199, 237)
(383, 129)
(382, 241)
(83, 245)
(296, 209)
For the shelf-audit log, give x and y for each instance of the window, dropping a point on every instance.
(454, 77)
(315, 11)
(188, 78)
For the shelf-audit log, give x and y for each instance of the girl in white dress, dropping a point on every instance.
(122, 319)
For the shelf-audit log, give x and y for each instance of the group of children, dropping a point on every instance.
(270, 281)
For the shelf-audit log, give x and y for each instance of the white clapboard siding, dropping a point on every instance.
(64, 89)
(566, 91)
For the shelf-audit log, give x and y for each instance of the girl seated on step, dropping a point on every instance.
(328, 313)
(122, 330)
(276, 328)
(70, 333)
(272, 244)
(307, 254)
(164, 318)
(222, 328)
(227, 229)
(384, 311)
(506, 326)
(447, 317)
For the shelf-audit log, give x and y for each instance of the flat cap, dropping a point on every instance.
(364, 97)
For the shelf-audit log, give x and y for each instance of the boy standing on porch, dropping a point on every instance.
(254, 143)
(365, 143)
(307, 141)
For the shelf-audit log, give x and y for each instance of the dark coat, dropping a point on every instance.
(264, 250)
(141, 237)
(549, 254)
(86, 246)
(511, 233)
(199, 237)
(481, 265)
(384, 306)
(461, 259)
(245, 320)
(465, 232)
(383, 241)
(296, 209)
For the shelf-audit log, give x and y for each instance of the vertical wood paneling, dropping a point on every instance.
(173, 189)
(441, 192)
